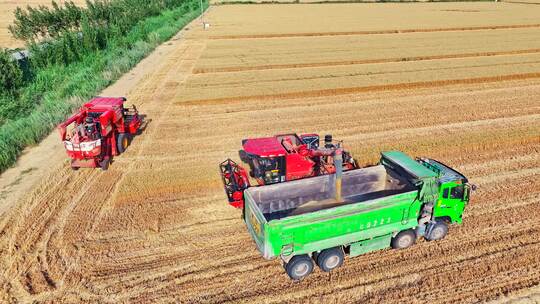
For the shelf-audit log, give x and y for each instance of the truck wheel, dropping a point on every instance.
(330, 259)
(122, 142)
(437, 232)
(299, 267)
(404, 239)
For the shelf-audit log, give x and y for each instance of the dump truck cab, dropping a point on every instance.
(449, 190)
(454, 191)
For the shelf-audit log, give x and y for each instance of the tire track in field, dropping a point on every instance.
(38, 221)
(214, 280)
(112, 184)
(354, 90)
(217, 297)
(165, 95)
(56, 227)
(229, 69)
(402, 263)
(375, 32)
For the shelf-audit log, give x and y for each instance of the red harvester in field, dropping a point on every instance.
(281, 158)
(100, 130)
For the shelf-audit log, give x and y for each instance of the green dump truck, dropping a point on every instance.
(387, 205)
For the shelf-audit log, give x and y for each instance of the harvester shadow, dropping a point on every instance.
(140, 131)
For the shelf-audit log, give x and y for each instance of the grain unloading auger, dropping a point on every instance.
(283, 158)
(101, 129)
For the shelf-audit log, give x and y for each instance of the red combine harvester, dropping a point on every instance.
(100, 130)
(282, 158)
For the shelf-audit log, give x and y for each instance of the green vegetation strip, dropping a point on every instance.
(66, 87)
(233, 2)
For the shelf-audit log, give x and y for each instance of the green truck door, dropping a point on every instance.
(451, 202)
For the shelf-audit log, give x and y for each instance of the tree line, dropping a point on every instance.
(63, 34)
(75, 60)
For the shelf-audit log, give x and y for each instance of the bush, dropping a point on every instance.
(11, 76)
(63, 34)
(68, 34)
(33, 24)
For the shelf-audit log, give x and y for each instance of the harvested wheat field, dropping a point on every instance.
(7, 8)
(459, 82)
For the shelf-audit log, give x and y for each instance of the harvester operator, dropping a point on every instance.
(90, 129)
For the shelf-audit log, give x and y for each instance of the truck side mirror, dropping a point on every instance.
(466, 193)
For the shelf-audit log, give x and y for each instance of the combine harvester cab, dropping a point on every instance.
(312, 222)
(101, 129)
(281, 158)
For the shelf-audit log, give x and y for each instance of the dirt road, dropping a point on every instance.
(156, 226)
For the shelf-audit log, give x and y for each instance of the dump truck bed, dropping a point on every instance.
(302, 217)
(310, 195)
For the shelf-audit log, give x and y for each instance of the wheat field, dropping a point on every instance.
(156, 227)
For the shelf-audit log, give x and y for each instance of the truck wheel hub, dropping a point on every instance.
(332, 261)
(437, 233)
(301, 269)
(404, 241)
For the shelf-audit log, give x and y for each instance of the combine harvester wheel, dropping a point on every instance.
(122, 142)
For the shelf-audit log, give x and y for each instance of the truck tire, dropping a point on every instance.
(122, 142)
(299, 267)
(330, 259)
(437, 232)
(404, 239)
